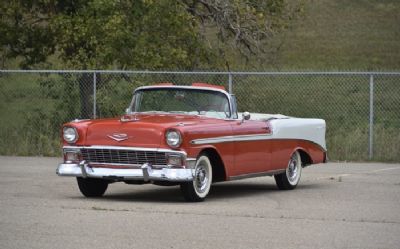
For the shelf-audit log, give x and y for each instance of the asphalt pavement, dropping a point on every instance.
(336, 205)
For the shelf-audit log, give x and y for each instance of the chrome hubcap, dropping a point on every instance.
(293, 169)
(201, 178)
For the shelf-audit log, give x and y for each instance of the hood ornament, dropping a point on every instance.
(118, 136)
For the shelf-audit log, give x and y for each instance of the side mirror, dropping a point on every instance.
(245, 116)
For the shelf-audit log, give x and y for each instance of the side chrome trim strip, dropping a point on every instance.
(252, 175)
(225, 139)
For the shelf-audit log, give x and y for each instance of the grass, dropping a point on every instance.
(343, 35)
(33, 107)
(25, 126)
(343, 101)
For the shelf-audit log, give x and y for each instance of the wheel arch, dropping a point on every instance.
(218, 167)
(306, 159)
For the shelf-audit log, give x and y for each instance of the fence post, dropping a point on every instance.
(371, 116)
(94, 94)
(230, 83)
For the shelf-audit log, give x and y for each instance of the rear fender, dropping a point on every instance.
(305, 155)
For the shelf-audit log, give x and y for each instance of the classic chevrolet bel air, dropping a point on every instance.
(190, 136)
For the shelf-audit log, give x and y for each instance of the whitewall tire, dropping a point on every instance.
(291, 177)
(198, 189)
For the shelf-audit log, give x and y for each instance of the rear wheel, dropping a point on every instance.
(291, 177)
(198, 189)
(92, 187)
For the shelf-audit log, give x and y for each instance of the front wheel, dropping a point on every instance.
(92, 187)
(291, 177)
(198, 189)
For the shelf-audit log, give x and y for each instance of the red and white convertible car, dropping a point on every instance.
(190, 136)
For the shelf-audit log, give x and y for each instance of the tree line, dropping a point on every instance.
(141, 34)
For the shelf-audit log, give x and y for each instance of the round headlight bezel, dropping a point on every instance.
(173, 138)
(70, 134)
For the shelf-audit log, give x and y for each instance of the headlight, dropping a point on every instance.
(173, 138)
(70, 134)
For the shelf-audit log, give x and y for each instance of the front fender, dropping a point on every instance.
(224, 152)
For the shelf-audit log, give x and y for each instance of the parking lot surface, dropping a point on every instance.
(336, 205)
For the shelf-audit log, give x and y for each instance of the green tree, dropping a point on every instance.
(137, 34)
(243, 27)
(25, 31)
(129, 34)
(140, 34)
(124, 34)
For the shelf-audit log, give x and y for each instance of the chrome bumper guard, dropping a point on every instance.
(145, 173)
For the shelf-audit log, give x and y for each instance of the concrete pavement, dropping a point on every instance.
(336, 205)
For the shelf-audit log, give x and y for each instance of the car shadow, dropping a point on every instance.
(156, 195)
(240, 189)
(226, 190)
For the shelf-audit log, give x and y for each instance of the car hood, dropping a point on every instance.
(137, 130)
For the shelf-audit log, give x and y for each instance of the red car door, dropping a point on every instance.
(251, 146)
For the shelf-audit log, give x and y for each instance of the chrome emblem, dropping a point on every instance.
(118, 136)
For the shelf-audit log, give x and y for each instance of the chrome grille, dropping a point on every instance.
(119, 156)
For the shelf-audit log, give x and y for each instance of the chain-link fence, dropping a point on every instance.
(362, 110)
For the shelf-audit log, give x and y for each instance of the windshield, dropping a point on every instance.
(185, 101)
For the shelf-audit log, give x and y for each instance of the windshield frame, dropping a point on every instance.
(227, 95)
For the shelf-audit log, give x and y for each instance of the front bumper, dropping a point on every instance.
(145, 173)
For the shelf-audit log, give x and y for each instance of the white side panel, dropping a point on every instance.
(285, 127)
(300, 128)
